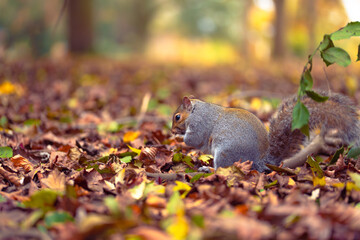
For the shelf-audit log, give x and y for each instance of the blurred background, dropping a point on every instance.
(183, 31)
(108, 55)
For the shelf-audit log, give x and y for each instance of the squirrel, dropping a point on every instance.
(233, 134)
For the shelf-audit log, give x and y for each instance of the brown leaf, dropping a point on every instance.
(55, 181)
(21, 162)
(149, 233)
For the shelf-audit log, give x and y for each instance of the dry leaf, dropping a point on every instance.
(21, 162)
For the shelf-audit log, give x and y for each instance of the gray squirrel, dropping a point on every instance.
(233, 134)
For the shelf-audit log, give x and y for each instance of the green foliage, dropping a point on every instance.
(350, 30)
(32, 122)
(300, 118)
(198, 176)
(330, 54)
(179, 157)
(336, 155)
(3, 121)
(6, 152)
(336, 55)
(355, 177)
(175, 203)
(354, 153)
(43, 199)
(53, 218)
(315, 96)
(316, 169)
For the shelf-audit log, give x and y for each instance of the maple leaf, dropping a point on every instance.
(55, 181)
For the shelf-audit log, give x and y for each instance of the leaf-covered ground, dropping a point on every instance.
(86, 153)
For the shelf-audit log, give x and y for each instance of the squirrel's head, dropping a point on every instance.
(180, 115)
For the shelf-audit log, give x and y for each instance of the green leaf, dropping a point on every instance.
(315, 96)
(350, 30)
(32, 122)
(6, 152)
(336, 155)
(315, 167)
(336, 55)
(113, 205)
(175, 203)
(326, 43)
(177, 157)
(353, 153)
(198, 220)
(43, 199)
(305, 130)
(355, 177)
(2, 199)
(53, 218)
(300, 116)
(3, 121)
(306, 82)
(188, 161)
(126, 159)
(198, 176)
(273, 183)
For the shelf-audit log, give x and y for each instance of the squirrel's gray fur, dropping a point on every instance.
(231, 135)
(208, 120)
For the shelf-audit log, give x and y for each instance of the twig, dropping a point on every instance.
(171, 176)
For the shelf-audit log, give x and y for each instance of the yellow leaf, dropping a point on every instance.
(135, 150)
(338, 185)
(7, 88)
(291, 182)
(131, 136)
(120, 177)
(319, 181)
(138, 191)
(256, 104)
(351, 84)
(178, 228)
(152, 188)
(181, 186)
(205, 158)
(110, 151)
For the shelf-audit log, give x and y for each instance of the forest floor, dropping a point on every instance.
(86, 146)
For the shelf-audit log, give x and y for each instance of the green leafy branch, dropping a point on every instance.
(330, 54)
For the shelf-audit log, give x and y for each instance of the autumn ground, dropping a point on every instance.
(91, 156)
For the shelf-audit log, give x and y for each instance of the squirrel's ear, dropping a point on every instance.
(187, 103)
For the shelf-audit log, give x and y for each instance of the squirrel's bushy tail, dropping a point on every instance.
(338, 113)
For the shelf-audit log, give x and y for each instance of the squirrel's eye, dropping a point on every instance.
(177, 117)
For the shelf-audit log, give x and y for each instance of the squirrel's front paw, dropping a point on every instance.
(204, 169)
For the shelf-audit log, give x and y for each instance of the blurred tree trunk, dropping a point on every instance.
(80, 26)
(244, 49)
(310, 20)
(141, 15)
(279, 38)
